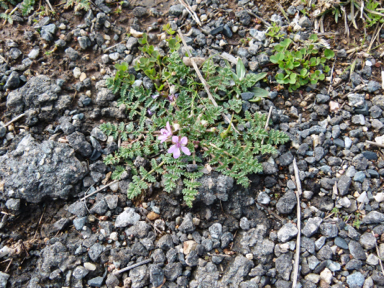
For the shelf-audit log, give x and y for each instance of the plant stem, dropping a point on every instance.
(153, 170)
(225, 152)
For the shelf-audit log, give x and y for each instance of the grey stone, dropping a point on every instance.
(305, 22)
(187, 225)
(47, 32)
(287, 232)
(378, 101)
(13, 81)
(373, 217)
(128, 217)
(356, 250)
(80, 272)
(72, 54)
(311, 227)
(95, 251)
(13, 204)
(28, 175)
(343, 184)
(284, 266)
(156, 275)
(3, 279)
(139, 12)
(286, 203)
(286, 159)
(373, 86)
(176, 10)
(238, 269)
(329, 230)
(77, 141)
(355, 280)
(216, 230)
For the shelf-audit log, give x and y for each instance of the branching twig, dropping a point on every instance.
(190, 11)
(132, 266)
(205, 84)
(298, 193)
(98, 190)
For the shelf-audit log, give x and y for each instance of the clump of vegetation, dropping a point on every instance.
(26, 8)
(78, 4)
(179, 129)
(301, 66)
(274, 32)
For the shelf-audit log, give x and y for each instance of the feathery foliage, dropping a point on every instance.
(178, 101)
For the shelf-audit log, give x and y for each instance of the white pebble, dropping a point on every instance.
(76, 72)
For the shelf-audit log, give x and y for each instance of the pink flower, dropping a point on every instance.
(165, 133)
(179, 144)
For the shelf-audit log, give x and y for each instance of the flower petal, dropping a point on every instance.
(169, 127)
(172, 149)
(175, 139)
(176, 154)
(185, 150)
(163, 138)
(184, 141)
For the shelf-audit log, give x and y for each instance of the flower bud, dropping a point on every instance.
(176, 126)
(204, 123)
(172, 89)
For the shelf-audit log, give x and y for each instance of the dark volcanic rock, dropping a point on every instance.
(34, 171)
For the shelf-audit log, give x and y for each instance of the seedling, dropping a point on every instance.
(303, 66)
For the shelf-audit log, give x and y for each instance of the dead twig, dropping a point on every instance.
(330, 82)
(149, 221)
(132, 266)
(378, 255)
(374, 143)
(257, 17)
(190, 11)
(205, 84)
(374, 38)
(298, 193)
(50, 6)
(267, 123)
(14, 119)
(98, 190)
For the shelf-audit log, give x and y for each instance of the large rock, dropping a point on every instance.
(34, 171)
(39, 93)
(214, 186)
(237, 270)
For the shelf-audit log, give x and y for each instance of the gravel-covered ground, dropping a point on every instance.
(53, 71)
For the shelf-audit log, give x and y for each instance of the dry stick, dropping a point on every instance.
(113, 46)
(14, 119)
(98, 190)
(205, 84)
(190, 11)
(132, 266)
(257, 17)
(50, 6)
(298, 193)
(149, 221)
(283, 11)
(382, 79)
(330, 82)
(2, 58)
(374, 143)
(267, 123)
(378, 254)
(374, 38)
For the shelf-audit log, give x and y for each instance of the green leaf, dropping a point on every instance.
(240, 69)
(303, 72)
(329, 54)
(313, 38)
(259, 93)
(143, 41)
